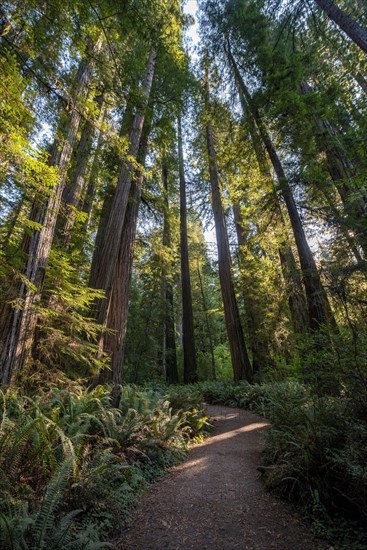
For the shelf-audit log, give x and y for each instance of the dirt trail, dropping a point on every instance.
(215, 500)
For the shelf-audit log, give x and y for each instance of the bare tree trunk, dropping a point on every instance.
(72, 194)
(351, 28)
(318, 305)
(91, 190)
(17, 324)
(291, 275)
(169, 351)
(105, 269)
(242, 369)
(190, 368)
(125, 130)
(114, 342)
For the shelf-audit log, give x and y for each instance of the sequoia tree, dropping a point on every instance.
(190, 370)
(240, 359)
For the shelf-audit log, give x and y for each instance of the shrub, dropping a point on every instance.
(71, 465)
(314, 450)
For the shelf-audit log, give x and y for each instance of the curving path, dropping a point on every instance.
(214, 500)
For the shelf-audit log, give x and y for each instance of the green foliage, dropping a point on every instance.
(314, 454)
(314, 450)
(71, 465)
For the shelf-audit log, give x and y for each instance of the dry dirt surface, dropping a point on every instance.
(215, 500)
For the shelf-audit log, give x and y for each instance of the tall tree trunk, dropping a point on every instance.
(114, 342)
(291, 275)
(125, 130)
(242, 369)
(72, 193)
(92, 187)
(318, 305)
(105, 269)
(17, 324)
(169, 351)
(190, 368)
(351, 28)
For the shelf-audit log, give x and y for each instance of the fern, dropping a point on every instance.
(14, 524)
(63, 534)
(52, 499)
(71, 446)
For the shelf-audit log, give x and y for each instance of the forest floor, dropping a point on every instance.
(215, 499)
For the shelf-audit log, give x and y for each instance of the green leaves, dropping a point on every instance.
(71, 465)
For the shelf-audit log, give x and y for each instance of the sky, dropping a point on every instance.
(191, 8)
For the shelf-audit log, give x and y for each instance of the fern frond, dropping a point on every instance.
(53, 496)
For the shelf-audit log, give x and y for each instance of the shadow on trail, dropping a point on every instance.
(215, 500)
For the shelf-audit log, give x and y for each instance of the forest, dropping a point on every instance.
(183, 222)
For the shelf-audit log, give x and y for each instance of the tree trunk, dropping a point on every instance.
(169, 324)
(114, 342)
(355, 32)
(72, 194)
(291, 275)
(169, 349)
(17, 324)
(318, 305)
(190, 369)
(91, 190)
(125, 130)
(240, 360)
(105, 269)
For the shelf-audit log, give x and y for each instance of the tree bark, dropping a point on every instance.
(125, 130)
(17, 324)
(190, 368)
(105, 269)
(242, 369)
(169, 340)
(114, 341)
(351, 28)
(92, 187)
(72, 193)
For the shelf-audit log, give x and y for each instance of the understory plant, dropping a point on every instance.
(314, 451)
(72, 466)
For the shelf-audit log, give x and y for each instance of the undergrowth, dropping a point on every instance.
(72, 466)
(314, 452)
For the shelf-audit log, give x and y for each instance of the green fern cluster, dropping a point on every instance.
(71, 464)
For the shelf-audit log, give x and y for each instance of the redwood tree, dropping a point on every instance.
(190, 369)
(240, 360)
